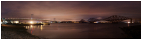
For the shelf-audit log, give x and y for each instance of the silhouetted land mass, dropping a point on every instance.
(16, 32)
(133, 32)
(82, 21)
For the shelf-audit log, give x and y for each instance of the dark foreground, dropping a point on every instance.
(15, 32)
(133, 32)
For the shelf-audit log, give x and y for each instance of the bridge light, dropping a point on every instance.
(31, 22)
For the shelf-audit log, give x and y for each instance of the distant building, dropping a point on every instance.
(102, 21)
(4, 21)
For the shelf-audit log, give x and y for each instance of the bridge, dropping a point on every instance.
(21, 20)
(116, 19)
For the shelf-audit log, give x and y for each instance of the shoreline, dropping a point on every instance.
(16, 32)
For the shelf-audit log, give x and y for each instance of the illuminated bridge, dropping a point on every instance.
(117, 19)
(21, 20)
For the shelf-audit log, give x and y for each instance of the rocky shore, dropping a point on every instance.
(16, 32)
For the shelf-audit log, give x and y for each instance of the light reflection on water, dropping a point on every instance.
(33, 27)
(41, 28)
(128, 24)
(77, 30)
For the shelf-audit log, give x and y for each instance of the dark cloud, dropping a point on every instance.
(70, 10)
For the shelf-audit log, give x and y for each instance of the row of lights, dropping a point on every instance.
(31, 26)
(31, 22)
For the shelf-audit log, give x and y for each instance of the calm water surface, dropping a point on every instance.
(78, 30)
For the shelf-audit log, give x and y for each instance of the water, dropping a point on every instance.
(78, 30)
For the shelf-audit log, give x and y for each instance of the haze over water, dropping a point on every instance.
(78, 30)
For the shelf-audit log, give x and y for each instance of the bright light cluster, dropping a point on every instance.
(95, 22)
(31, 22)
(128, 22)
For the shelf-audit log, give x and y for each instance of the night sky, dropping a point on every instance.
(70, 10)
